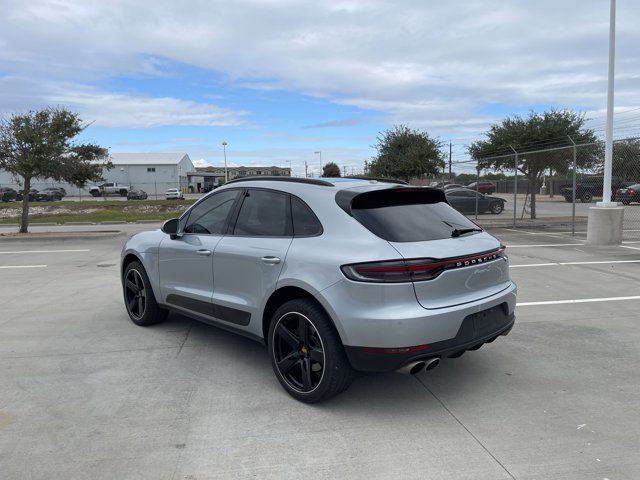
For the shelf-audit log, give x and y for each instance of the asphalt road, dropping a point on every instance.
(84, 393)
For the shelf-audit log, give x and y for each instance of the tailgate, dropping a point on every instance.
(478, 275)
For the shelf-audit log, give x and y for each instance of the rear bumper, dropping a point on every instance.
(475, 330)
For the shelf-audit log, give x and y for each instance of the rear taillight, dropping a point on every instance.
(631, 192)
(398, 271)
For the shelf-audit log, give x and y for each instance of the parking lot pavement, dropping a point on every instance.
(84, 393)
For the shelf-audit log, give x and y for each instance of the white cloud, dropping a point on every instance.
(201, 163)
(110, 109)
(425, 63)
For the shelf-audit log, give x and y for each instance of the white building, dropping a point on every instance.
(152, 172)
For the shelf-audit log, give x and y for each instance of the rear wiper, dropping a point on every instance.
(457, 232)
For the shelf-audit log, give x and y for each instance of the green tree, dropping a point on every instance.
(405, 153)
(528, 135)
(39, 145)
(331, 169)
(626, 159)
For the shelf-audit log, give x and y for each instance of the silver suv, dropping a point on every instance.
(334, 275)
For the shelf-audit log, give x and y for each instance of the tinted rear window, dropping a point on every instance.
(412, 215)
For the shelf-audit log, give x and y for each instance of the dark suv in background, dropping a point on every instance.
(590, 187)
(7, 194)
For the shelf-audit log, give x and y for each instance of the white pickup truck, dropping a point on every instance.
(110, 189)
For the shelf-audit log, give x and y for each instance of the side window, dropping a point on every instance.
(265, 214)
(305, 223)
(210, 216)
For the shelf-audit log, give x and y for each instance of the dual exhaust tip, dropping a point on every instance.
(417, 366)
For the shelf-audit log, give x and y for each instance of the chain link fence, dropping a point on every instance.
(553, 186)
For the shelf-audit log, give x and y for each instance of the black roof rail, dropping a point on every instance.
(310, 181)
(379, 179)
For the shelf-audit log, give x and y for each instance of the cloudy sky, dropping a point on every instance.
(279, 80)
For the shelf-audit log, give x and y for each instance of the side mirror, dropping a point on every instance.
(170, 227)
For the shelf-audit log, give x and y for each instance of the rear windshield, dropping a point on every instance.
(408, 214)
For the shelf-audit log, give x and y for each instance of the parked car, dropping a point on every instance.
(483, 187)
(590, 187)
(628, 194)
(333, 275)
(450, 186)
(174, 194)
(109, 188)
(49, 195)
(464, 200)
(8, 194)
(137, 195)
(32, 195)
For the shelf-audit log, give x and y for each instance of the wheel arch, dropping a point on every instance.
(128, 259)
(283, 295)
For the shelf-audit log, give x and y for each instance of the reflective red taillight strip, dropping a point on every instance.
(415, 267)
(395, 351)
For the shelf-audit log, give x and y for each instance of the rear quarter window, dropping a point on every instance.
(408, 214)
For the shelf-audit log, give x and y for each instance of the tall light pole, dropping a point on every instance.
(608, 149)
(319, 153)
(606, 219)
(226, 174)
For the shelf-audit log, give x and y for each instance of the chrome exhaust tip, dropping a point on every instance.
(412, 368)
(432, 363)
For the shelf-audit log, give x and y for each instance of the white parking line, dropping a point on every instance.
(606, 262)
(580, 300)
(627, 246)
(547, 245)
(46, 251)
(22, 266)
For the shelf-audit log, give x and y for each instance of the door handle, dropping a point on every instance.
(271, 260)
(205, 253)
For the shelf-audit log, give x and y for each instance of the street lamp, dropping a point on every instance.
(226, 175)
(319, 153)
(608, 149)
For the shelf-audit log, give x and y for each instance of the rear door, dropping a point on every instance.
(248, 261)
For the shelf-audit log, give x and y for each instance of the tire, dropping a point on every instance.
(95, 193)
(143, 312)
(321, 354)
(568, 199)
(626, 202)
(496, 208)
(123, 193)
(586, 197)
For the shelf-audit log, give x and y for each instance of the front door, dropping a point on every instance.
(186, 262)
(247, 262)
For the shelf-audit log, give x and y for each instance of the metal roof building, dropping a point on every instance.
(152, 172)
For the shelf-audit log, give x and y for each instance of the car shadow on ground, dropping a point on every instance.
(228, 360)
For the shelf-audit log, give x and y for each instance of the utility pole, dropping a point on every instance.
(449, 160)
(344, 170)
(306, 169)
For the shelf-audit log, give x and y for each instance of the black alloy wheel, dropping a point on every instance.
(135, 294)
(298, 352)
(587, 197)
(306, 352)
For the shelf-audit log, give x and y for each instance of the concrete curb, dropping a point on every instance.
(49, 236)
